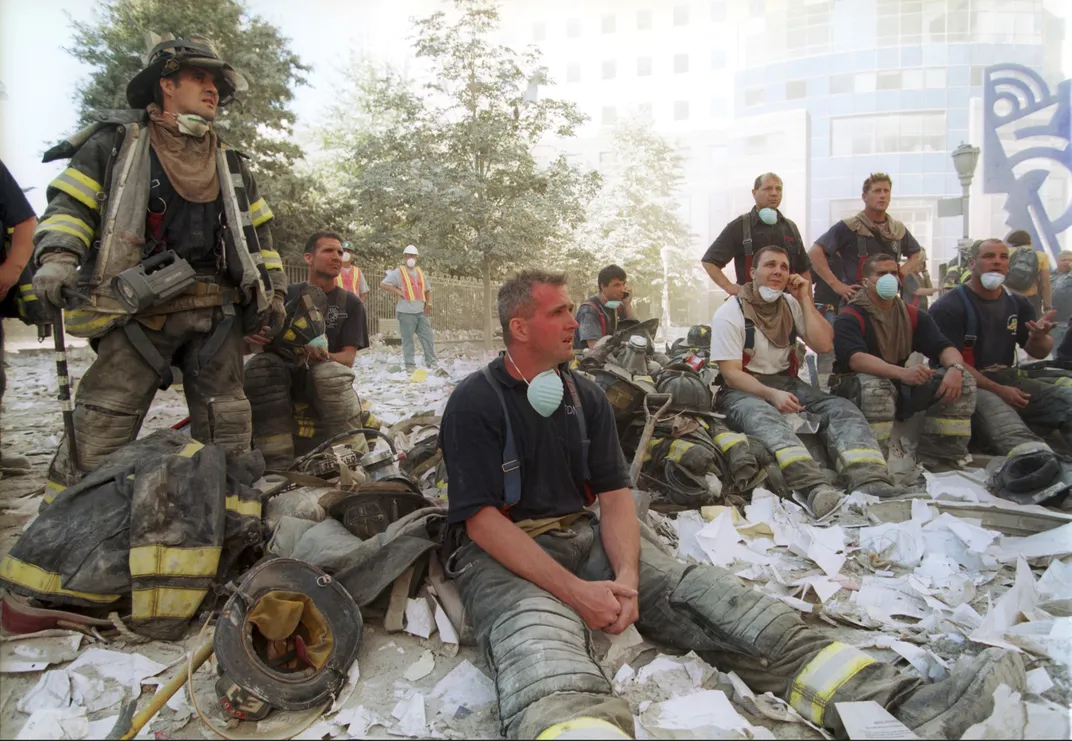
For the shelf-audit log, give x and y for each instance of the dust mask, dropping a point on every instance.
(887, 286)
(770, 295)
(410, 262)
(612, 304)
(768, 216)
(346, 257)
(545, 390)
(991, 281)
(192, 125)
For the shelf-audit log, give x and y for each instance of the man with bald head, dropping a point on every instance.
(764, 225)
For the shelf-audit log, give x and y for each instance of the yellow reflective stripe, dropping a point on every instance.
(1029, 447)
(882, 430)
(411, 292)
(1063, 381)
(814, 687)
(78, 186)
(583, 727)
(306, 428)
(792, 454)
(651, 447)
(259, 212)
(856, 456)
(26, 292)
(281, 443)
(160, 560)
(250, 507)
(165, 602)
(678, 448)
(190, 450)
(272, 260)
(726, 440)
(289, 335)
(82, 320)
(301, 322)
(65, 224)
(45, 582)
(947, 426)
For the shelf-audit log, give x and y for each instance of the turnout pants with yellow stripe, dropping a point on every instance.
(114, 395)
(845, 433)
(946, 426)
(1007, 430)
(545, 674)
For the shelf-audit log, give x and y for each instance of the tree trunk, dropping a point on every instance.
(488, 309)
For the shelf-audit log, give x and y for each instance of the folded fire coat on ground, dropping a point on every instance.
(148, 533)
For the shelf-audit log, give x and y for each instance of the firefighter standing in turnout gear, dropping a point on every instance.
(537, 571)
(308, 369)
(987, 323)
(599, 315)
(873, 337)
(763, 225)
(141, 183)
(753, 340)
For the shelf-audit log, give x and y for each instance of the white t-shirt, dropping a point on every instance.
(727, 338)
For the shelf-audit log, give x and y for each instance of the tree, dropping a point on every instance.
(454, 166)
(633, 221)
(259, 123)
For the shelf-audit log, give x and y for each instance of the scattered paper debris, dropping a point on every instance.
(101, 678)
(56, 723)
(411, 718)
(1038, 681)
(899, 543)
(869, 721)
(421, 668)
(419, 619)
(1015, 719)
(464, 686)
(704, 714)
(33, 654)
(1055, 542)
(447, 632)
(52, 691)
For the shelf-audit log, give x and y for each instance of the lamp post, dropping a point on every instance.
(965, 158)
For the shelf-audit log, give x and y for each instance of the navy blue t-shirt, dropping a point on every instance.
(552, 472)
(849, 339)
(1002, 324)
(845, 243)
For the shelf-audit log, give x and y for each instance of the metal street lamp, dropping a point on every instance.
(965, 158)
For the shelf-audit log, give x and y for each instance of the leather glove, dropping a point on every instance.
(277, 315)
(58, 270)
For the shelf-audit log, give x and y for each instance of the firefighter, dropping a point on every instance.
(598, 316)
(350, 277)
(754, 342)
(146, 187)
(303, 383)
(528, 445)
(986, 323)
(873, 337)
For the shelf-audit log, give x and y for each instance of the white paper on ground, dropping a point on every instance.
(687, 524)
(889, 597)
(824, 588)
(57, 723)
(358, 721)
(768, 508)
(101, 728)
(625, 674)
(823, 545)
(420, 668)
(970, 533)
(419, 620)
(1055, 542)
(698, 712)
(1038, 681)
(1005, 613)
(447, 633)
(956, 485)
(411, 718)
(897, 542)
(926, 663)
(1056, 582)
(921, 511)
(102, 678)
(1014, 718)
(464, 685)
(720, 541)
(869, 721)
(35, 654)
(52, 691)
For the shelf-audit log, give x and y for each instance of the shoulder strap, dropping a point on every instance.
(971, 320)
(511, 461)
(746, 242)
(913, 316)
(599, 313)
(749, 329)
(859, 317)
(578, 412)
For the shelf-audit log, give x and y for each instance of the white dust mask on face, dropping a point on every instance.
(770, 295)
(545, 390)
(410, 262)
(612, 304)
(346, 257)
(887, 286)
(192, 125)
(992, 281)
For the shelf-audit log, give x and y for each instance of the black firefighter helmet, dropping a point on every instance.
(1035, 477)
(168, 57)
(286, 639)
(688, 391)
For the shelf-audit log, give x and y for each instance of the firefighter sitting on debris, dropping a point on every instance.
(154, 191)
(528, 445)
(308, 369)
(987, 323)
(873, 337)
(754, 342)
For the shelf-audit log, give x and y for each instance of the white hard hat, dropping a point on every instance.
(410, 250)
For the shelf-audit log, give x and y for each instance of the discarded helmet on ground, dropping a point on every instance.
(286, 639)
(305, 323)
(376, 504)
(699, 336)
(687, 390)
(1036, 477)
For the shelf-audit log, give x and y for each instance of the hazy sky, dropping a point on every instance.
(40, 78)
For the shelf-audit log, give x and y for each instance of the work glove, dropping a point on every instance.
(277, 315)
(58, 270)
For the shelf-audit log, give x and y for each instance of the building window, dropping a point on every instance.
(718, 107)
(610, 115)
(608, 24)
(864, 82)
(643, 20)
(643, 66)
(753, 96)
(681, 110)
(806, 29)
(539, 31)
(757, 8)
(978, 75)
(840, 84)
(573, 28)
(610, 69)
(796, 89)
(904, 132)
(888, 81)
(718, 11)
(681, 15)
(911, 79)
(718, 59)
(934, 78)
(681, 63)
(573, 73)
(899, 23)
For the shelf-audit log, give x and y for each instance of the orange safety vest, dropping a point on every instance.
(349, 279)
(413, 293)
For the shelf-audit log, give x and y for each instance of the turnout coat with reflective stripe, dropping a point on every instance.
(97, 209)
(145, 535)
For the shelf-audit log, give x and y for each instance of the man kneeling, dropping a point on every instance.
(303, 387)
(873, 337)
(754, 342)
(528, 446)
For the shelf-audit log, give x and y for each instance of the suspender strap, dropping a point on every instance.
(148, 352)
(511, 461)
(746, 224)
(578, 412)
(217, 338)
(971, 320)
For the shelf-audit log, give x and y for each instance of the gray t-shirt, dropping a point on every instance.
(405, 306)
